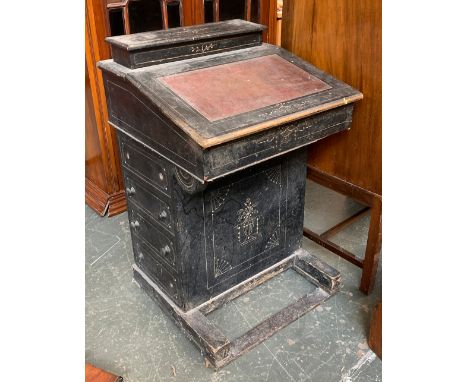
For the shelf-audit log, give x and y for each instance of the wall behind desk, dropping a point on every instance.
(344, 38)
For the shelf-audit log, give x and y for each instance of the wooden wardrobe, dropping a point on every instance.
(344, 38)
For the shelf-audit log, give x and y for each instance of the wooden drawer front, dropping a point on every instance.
(155, 270)
(145, 197)
(248, 150)
(157, 241)
(145, 163)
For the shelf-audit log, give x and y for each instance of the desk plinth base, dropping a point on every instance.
(217, 348)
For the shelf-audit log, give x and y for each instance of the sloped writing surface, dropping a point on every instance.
(238, 87)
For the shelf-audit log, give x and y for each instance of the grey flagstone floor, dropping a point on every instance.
(128, 335)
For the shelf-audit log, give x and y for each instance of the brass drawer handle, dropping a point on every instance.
(163, 215)
(135, 224)
(131, 191)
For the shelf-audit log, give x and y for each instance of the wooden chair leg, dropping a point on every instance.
(374, 244)
(215, 7)
(165, 18)
(164, 12)
(375, 331)
(215, 10)
(181, 13)
(126, 18)
(248, 10)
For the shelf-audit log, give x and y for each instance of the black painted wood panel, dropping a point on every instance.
(222, 235)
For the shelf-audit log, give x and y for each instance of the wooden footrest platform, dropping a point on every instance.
(216, 347)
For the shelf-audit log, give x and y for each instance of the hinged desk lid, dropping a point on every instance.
(222, 97)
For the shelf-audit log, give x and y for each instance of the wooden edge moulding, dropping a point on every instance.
(103, 203)
(372, 202)
(214, 344)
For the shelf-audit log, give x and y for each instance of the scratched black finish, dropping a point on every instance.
(153, 56)
(240, 225)
(216, 206)
(157, 208)
(206, 217)
(227, 157)
(176, 36)
(195, 246)
(157, 47)
(132, 113)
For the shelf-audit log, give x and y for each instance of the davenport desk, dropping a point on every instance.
(213, 127)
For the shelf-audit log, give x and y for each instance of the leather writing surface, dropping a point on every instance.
(238, 87)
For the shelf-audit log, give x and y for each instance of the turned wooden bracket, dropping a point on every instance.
(188, 183)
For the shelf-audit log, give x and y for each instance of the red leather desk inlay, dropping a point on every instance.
(226, 90)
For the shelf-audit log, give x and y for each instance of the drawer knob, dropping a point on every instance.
(134, 224)
(165, 250)
(163, 215)
(131, 191)
(140, 256)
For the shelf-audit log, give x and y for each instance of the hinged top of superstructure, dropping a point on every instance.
(156, 47)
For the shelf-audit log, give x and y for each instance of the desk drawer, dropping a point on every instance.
(160, 244)
(155, 270)
(145, 197)
(145, 163)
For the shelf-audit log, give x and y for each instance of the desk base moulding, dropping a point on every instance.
(215, 346)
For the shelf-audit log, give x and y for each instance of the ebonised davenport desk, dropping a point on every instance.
(213, 127)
